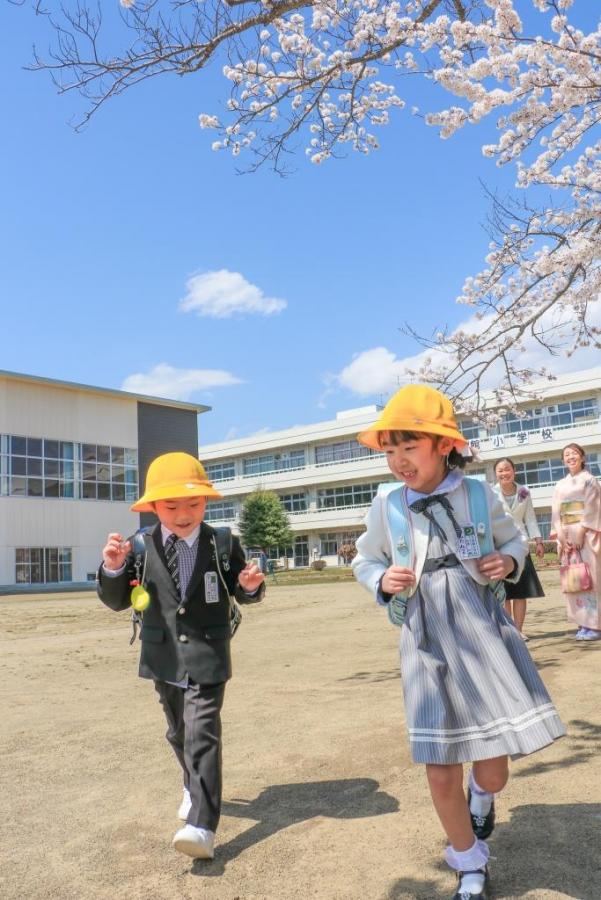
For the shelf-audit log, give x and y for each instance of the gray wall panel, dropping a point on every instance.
(163, 429)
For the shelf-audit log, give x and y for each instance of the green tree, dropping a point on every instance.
(263, 521)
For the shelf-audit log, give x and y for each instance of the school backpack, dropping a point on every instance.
(222, 542)
(397, 516)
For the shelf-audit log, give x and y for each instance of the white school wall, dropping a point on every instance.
(41, 410)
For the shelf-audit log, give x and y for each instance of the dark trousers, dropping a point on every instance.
(194, 718)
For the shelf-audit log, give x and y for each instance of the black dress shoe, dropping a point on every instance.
(482, 826)
(467, 895)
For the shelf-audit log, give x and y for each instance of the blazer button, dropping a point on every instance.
(181, 610)
(183, 639)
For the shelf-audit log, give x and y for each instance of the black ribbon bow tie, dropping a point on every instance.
(423, 506)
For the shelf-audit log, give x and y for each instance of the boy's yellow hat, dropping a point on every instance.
(171, 476)
(415, 407)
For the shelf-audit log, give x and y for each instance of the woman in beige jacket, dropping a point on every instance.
(518, 503)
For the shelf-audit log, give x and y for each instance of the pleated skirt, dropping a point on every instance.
(470, 686)
(528, 585)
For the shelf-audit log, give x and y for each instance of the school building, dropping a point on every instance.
(71, 459)
(326, 480)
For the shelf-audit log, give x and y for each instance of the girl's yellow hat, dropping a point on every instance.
(172, 476)
(415, 407)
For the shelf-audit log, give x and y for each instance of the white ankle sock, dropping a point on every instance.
(481, 800)
(467, 860)
(472, 883)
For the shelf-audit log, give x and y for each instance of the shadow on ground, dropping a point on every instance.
(542, 848)
(583, 740)
(282, 805)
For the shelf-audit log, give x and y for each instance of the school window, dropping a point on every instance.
(472, 431)
(274, 462)
(220, 512)
(549, 471)
(221, 471)
(539, 471)
(348, 495)
(328, 544)
(325, 454)
(44, 467)
(544, 523)
(531, 420)
(276, 553)
(301, 550)
(573, 412)
(294, 502)
(43, 565)
(478, 473)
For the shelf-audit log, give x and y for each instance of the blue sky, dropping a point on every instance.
(103, 230)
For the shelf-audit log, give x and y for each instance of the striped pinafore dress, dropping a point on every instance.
(471, 688)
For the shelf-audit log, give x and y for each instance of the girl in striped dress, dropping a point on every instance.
(472, 693)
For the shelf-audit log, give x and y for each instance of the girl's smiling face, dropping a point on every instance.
(419, 462)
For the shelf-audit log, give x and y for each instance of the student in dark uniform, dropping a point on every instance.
(185, 634)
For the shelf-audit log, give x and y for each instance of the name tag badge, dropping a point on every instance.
(468, 546)
(211, 587)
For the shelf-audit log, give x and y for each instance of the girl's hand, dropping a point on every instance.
(540, 549)
(115, 552)
(250, 578)
(496, 566)
(396, 579)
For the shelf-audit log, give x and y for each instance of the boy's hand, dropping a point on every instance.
(115, 552)
(496, 566)
(250, 578)
(397, 578)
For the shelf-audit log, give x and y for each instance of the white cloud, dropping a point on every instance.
(375, 371)
(224, 294)
(379, 371)
(177, 384)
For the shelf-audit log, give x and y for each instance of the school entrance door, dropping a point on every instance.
(301, 551)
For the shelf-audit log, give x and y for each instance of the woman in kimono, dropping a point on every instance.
(576, 524)
(517, 502)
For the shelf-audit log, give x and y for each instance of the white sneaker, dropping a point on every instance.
(196, 842)
(185, 806)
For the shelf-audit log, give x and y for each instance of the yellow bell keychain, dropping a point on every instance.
(140, 598)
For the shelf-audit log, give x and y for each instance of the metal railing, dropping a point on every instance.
(509, 439)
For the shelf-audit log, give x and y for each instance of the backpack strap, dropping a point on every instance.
(479, 513)
(138, 546)
(480, 516)
(222, 536)
(397, 514)
(223, 543)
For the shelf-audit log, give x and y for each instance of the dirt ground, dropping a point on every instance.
(321, 799)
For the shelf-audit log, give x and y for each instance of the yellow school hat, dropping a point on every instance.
(171, 476)
(415, 407)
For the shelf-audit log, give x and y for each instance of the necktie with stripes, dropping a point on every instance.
(172, 560)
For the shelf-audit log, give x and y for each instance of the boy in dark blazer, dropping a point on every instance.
(185, 632)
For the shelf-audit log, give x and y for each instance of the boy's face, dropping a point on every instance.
(181, 515)
(419, 463)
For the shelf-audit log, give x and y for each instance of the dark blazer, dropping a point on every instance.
(181, 636)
